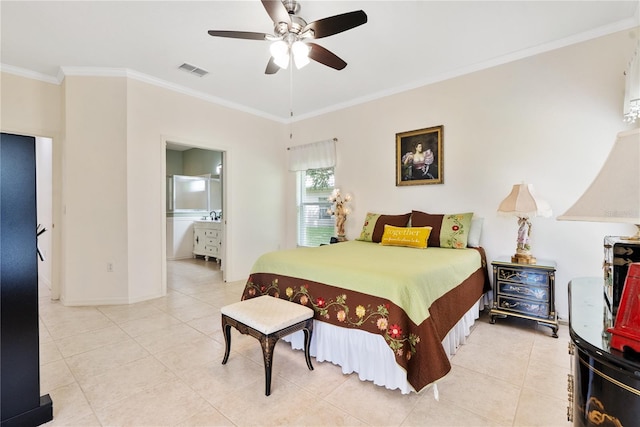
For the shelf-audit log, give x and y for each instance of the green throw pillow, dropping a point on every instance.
(455, 230)
(374, 223)
(370, 220)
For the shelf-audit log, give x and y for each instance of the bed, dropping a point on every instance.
(393, 314)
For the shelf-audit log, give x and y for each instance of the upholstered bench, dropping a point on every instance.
(268, 319)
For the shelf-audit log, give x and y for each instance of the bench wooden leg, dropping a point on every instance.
(268, 343)
(226, 330)
(308, 330)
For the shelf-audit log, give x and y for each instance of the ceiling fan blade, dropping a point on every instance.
(272, 68)
(238, 35)
(277, 11)
(336, 24)
(326, 57)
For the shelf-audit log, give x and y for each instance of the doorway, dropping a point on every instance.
(44, 200)
(195, 198)
(48, 285)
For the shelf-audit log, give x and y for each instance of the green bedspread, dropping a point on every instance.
(411, 278)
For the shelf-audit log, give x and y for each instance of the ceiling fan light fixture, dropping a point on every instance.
(300, 52)
(282, 61)
(280, 52)
(301, 61)
(289, 32)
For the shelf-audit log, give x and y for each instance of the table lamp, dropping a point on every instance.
(523, 203)
(614, 196)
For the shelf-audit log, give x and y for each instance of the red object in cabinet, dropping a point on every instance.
(626, 329)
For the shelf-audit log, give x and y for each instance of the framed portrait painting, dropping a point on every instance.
(419, 157)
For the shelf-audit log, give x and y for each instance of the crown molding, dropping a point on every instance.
(625, 24)
(145, 78)
(23, 72)
(65, 71)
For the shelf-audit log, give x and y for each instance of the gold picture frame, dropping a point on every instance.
(419, 157)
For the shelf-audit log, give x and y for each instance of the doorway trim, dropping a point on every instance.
(163, 198)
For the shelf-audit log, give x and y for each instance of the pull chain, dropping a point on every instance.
(290, 100)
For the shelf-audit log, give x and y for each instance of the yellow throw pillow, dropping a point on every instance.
(412, 237)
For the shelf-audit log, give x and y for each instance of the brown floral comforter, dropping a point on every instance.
(417, 347)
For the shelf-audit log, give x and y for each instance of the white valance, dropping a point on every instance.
(318, 155)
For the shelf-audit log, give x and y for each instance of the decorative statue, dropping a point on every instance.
(340, 210)
(524, 232)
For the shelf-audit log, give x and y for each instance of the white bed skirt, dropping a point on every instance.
(369, 354)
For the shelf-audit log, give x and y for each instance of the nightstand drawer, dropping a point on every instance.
(526, 291)
(211, 250)
(519, 275)
(532, 308)
(518, 290)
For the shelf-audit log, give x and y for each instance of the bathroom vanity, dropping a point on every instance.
(207, 239)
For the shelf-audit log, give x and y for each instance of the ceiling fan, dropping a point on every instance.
(291, 35)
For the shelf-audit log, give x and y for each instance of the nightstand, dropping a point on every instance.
(526, 291)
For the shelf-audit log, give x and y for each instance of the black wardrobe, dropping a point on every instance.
(20, 400)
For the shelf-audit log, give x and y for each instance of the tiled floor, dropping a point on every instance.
(159, 363)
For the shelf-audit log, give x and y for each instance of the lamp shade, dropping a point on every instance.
(614, 195)
(522, 202)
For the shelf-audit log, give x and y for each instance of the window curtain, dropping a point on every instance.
(317, 155)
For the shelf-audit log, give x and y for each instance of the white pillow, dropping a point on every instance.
(473, 241)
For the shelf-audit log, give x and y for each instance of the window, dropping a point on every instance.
(315, 225)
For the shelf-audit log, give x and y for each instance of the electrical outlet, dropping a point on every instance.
(109, 267)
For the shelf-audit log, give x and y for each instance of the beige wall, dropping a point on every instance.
(95, 180)
(549, 120)
(30, 106)
(254, 177)
(109, 168)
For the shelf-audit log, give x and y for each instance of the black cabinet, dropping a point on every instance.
(604, 387)
(526, 291)
(20, 400)
(619, 253)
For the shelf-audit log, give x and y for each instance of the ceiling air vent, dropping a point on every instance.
(193, 70)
